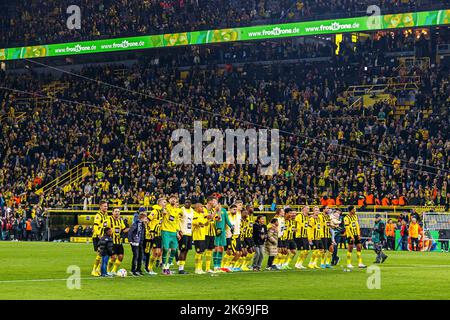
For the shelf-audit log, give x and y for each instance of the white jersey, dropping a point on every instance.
(186, 221)
(236, 222)
(281, 226)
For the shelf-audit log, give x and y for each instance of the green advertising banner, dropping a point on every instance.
(296, 29)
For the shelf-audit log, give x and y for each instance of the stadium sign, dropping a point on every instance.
(295, 29)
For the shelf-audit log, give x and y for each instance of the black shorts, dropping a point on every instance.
(117, 249)
(248, 243)
(354, 241)
(302, 243)
(234, 244)
(282, 244)
(317, 244)
(290, 244)
(209, 242)
(157, 242)
(200, 246)
(326, 242)
(185, 243)
(95, 243)
(147, 245)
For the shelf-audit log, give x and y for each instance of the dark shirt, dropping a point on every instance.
(259, 233)
(105, 246)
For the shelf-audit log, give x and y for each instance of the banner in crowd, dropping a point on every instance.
(296, 29)
(429, 242)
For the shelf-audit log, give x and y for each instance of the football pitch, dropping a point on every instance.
(36, 270)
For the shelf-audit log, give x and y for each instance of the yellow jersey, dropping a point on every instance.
(211, 226)
(117, 226)
(100, 223)
(325, 222)
(301, 228)
(351, 226)
(154, 222)
(199, 223)
(171, 219)
(247, 227)
(315, 231)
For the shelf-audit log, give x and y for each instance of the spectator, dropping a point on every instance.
(390, 235)
(414, 232)
(404, 232)
(28, 230)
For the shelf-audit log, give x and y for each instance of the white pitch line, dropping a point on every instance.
(241, 273)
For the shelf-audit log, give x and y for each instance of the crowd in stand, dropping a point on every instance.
(330, 152)
(38, 22)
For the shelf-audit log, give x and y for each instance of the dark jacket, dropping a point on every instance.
(137, 232)
(259, 233)
(105, 246)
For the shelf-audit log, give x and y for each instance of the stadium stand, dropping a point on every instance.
(346, 145)
(38, 22)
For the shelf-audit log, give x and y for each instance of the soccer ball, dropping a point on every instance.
(122, 273)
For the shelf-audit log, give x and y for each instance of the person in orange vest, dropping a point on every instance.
(369, 199)
(28, 230)
(395, 201)
(414, 234)
(390, 235)
(331, 202)
(324, 201)
(361, 200)
(339, 200)
(385, 201)
(402, 201)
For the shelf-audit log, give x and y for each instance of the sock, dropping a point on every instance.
(96, 263)
(303, 256)
(181, 265)
(164, 258)
(317, 256)
(277, 259)
(198, 261)
(116, 265)
(152, 262)
(358, 254)
(215, 259)
(208, 257)
(219, 259)
(290, 256)
(313, 257)
(239, 262)
(172, 255)
(349, 257)
(110, 266)
(328, 258)
(250, 257)
(227, 260)
(282, 259)
(322, 257)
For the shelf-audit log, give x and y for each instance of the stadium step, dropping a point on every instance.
(69, 178)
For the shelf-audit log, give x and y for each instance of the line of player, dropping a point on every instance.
(224, 240)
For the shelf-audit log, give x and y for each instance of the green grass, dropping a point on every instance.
(405, 275)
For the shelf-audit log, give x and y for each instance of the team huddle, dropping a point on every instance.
(224, 240)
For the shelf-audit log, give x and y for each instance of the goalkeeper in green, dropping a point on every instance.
(220, 241)
(378, 239)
